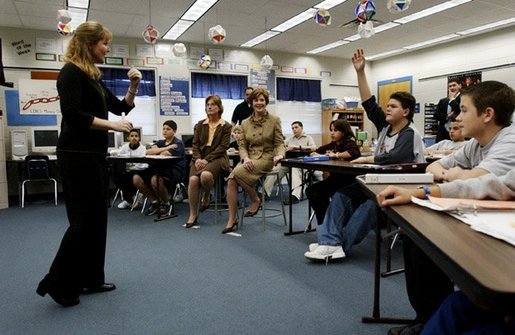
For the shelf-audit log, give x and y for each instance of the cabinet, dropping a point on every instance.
(355, 116)
(430, 122)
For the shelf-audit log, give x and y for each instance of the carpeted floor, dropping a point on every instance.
(173, 280)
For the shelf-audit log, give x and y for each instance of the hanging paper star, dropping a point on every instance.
(64, 29)
(322, 17)
(204, 61)
(150, 34)
(365, 10)
(216, 34)
(397, 6)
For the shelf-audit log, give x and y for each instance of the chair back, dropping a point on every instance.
(37, 167)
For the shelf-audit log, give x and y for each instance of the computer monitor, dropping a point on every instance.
(187, 139)
(112, 141)
(44, 139)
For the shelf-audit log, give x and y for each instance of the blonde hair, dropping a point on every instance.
(85, 36)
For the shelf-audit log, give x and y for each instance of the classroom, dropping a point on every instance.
(254, 280)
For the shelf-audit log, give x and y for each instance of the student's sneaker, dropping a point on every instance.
(313, 246)
(152, 209)
(164, 209)
(325, 252)
(124, 205)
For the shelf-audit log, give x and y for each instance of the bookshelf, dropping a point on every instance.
(355, 116)
(430, 122)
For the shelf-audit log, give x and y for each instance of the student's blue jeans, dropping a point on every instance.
(346, 220)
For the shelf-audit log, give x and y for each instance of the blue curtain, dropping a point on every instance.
(116, 81)
(226, 86)
(299, 90)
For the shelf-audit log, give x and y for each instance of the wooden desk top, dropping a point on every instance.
(482, 266)
(341, 166)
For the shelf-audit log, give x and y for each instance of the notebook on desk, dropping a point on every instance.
(315, 158)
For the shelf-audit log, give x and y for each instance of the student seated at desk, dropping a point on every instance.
(158, 183)
(457, 314)
(486, 111)
(343, 146)
(351, 214)
(126, 181)
(447, 147)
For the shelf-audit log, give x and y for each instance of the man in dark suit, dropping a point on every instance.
(447, 109)
(243, 110)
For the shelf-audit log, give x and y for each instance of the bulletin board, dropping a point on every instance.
(385, 88)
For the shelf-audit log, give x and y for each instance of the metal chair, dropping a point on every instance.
(37, 169)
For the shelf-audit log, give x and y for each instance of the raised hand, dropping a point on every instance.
(358, 60)
(134, 76)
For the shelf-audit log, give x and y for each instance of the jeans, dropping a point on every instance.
(348, 219)
(458, 315)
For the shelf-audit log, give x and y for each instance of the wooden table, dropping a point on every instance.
(482, 266)
(345, 167)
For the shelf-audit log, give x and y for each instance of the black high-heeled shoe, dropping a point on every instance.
(191, 224)
(250, 213)
(232, 228)
(63, 300)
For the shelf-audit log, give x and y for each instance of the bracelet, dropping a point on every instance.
(427, 192)
(132, 92)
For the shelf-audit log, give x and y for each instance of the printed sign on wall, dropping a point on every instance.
(174, 96)
(38, 97)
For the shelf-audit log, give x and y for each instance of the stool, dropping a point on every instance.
(218, 193)
(274, 211)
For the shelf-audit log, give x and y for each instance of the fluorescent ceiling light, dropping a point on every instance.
(78, 3)
(431, 10)
(487, 26)
(177, 29)
(296, 20)
(328, 4)
(384, 54)
(327, 47)
(386, 26)
(263, 37)
(198, 9)
(78, 16)
(432, 41)
(352, 38)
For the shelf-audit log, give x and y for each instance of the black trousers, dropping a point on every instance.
(80, 259)
(319, 194)
(427, 285)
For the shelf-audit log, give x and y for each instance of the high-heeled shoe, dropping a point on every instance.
(250, 213)
(191, 224)
(232, 228)
(63, 300)
(204, 207)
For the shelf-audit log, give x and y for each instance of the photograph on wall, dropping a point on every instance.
(467, 79)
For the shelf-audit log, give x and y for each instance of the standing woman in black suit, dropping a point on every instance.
(78, 266)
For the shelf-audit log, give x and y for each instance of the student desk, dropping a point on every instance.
(482, 266)
(158, 161)
(346, 167)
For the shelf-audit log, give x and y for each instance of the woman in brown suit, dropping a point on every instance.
(211, 140)
(261, 146)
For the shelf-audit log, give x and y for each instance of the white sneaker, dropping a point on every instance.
(325, 252)
(124, 205)
(313, 246)
(138, 202)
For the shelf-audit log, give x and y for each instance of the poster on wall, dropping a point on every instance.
(174, 96)
(38, 97)
(467, 78)
(263, 78)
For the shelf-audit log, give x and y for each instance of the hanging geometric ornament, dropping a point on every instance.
(365, 10)
(64, 29)
(267, 62)
(366, 30)
(397, 6)
(322, 17)
(63, 16)
(179, 50)
(216, 34)
(204, 62)
(150, 34)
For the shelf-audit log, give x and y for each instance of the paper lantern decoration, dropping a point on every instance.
(64, 29)
(267, 62)
(366, 30)
(63, 16)
(204, 62)
(397, 6)
(179, 50)
(216, 34)
(322, 17)
(150, 34)
(365, 10)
